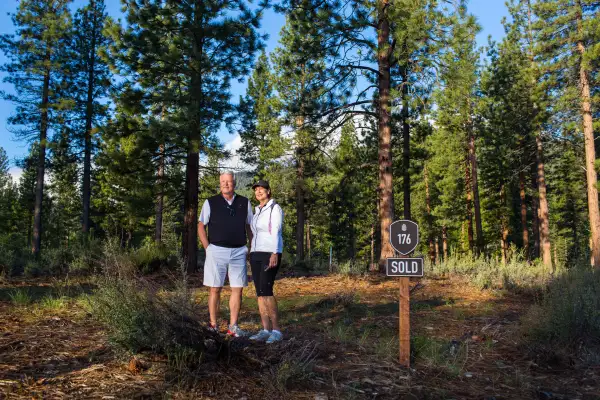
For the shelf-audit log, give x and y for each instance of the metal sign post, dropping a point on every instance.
(404, 238)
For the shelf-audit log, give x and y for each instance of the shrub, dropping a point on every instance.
(33, 268)
(139, 316)
(13, 254)
(486, 273)
(152, 256)
(568, 317)
(295, 365)
(55, 261)
(351, 267)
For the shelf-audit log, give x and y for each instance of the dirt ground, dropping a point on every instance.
(340, 343)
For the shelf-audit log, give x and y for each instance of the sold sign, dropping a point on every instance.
(404, 238)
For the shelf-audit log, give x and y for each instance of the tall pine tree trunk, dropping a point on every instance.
(190, 203)
(535, 224)
(405, 146)
(89, 113)
(39, 184)
(590, 158)
(300, 208)
(524, 230)
(432, 252)
(445, 242)
(160, 195)
(386, 210)
(475, 189)
(469, 203)
(194, 144)
(544, 220)
(308, 250)
(504, 228)
(542, 214)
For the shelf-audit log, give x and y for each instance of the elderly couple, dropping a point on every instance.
(230, 222)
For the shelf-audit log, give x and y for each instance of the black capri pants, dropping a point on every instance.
(263, 280)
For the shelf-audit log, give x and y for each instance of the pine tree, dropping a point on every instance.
(457, 102)
(369, 43)
(300, 70)
(261, 131)
(509, 115)
(90, 83)
(8, 196)
(63, 188)
(199, 48)
(567, 47)
(35, 67)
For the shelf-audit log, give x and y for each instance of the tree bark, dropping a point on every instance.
(535, 224)
(194, 139)
(445, 242)
(190, 204)
(405, 146)
(590, 158)
(432, 252)
(160, 195)
(543, 210)
(308, 250)
(89, 113)
(372, 247)
(300, 208)
(475, 189)
(39, 184)
(469, 203)
(437, 251)
(542, 214)
(504, 228)
(524, 229)
(386, 210)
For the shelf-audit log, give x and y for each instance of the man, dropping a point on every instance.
(228, 217)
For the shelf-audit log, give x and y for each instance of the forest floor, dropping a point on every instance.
(340, 333)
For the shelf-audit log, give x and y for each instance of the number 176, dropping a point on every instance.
(404, 238)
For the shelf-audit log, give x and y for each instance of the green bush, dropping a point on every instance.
(351, 267)
(33, 269)
(14, 254)
(141, 316)
(487, 273)
(569, 314)
(152, 256)
(55, 261)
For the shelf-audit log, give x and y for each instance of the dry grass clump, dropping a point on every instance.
(565, 325)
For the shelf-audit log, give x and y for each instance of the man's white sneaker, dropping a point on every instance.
(275, 336)
(261, 336)
(236, 331)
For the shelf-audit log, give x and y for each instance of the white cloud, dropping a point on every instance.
(16, 173)
(235, 162)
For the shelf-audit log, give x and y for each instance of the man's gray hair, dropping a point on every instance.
(229, 173)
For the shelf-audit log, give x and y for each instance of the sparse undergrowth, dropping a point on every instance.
(566, 323)
(490, 273)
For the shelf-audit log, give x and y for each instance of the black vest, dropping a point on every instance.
(227, 224)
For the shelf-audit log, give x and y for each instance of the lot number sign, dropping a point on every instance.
(404, 238)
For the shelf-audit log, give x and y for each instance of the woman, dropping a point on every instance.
(265, 257)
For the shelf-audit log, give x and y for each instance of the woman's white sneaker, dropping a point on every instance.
(262, 335)
(275, 336)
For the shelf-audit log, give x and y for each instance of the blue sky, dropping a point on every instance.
(489, 14)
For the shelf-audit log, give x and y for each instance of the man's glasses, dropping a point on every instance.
(231, 210)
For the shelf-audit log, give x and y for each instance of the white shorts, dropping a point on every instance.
(218, 259)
